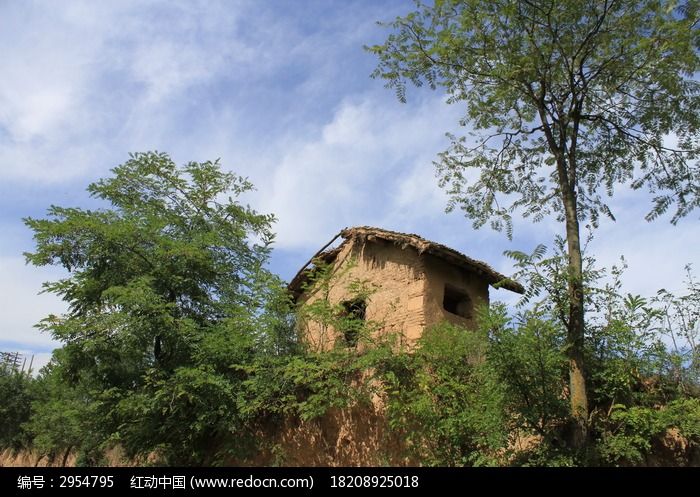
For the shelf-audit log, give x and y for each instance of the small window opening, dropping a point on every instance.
(457, 302)
(353, 319)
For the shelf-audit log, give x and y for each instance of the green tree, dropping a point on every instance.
(167, 292)
(679, 321)
(63, 417)
(567, 99)
(15, 408)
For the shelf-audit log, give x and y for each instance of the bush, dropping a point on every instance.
(445, 401)
(630, 432)
(16, 392)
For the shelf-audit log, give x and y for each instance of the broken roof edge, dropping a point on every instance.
(494, 278)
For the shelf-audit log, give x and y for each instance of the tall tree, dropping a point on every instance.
(167, 291)
(567, 99)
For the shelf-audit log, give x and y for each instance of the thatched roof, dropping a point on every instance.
(404, 240)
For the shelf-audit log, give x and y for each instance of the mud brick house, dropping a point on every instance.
(415, 283)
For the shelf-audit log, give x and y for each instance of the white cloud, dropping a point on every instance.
(656, 252)
(40, 112)
(189, 45)
(363, 165)
(419, 187)
(22, 306)
(47, 71)
(90, 73)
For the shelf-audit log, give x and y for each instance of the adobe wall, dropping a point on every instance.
(397, 301)
(353, 436)
(439, 274)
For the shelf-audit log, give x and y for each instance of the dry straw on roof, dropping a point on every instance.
(404, 240)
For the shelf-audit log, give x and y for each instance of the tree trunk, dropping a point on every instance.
(66, 454)
(574, 340)
(575, 332)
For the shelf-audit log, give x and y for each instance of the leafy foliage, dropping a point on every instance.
(528, 357)
(632, 431)
(566, 101)
(65, 418)
(181, 348)
(637, 373)
(328, 370)
(594, 88)
(678, 319)
(167, 292)
(444, 401)
(15, 408)
(335, 324)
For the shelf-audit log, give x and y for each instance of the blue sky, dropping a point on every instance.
(280, 91)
